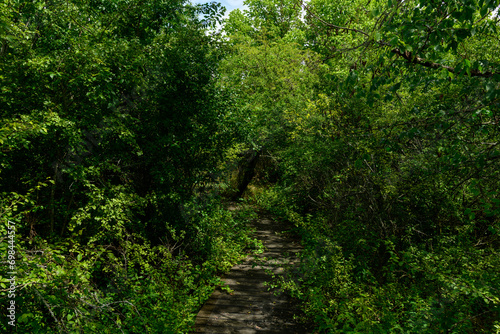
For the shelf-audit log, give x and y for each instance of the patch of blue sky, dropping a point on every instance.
(229, 4)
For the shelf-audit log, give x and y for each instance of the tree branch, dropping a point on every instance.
(420, 61)
(306, 7)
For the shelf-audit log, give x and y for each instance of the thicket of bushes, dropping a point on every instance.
(383, 120)
(110, 124)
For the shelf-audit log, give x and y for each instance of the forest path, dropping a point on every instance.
(253, 307)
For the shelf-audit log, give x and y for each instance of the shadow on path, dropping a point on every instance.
(252, 307)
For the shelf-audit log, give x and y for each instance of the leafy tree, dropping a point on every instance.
(265, 20)
(110, 119)
(391, 172)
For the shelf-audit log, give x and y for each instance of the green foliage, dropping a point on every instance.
(373, 285)
(128, 285)
(270, 80)
(110, 120)
(389, 168)
(119, 120)
(264, 20)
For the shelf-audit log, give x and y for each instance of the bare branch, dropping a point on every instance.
(420, 61)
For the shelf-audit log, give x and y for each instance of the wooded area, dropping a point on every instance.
(371, 126)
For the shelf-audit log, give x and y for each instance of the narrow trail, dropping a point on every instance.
(252, 307)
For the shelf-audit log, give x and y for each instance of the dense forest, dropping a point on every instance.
(372, 127)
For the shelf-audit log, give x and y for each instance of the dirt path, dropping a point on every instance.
(252, 307)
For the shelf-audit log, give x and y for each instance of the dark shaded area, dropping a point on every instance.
(246, 171)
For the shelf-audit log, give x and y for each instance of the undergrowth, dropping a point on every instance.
(127, 285)
(349, 284)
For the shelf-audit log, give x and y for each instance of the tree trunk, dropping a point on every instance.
(246, 171)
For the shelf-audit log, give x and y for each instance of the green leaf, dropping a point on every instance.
(490, 86)
(395, 87)
(484, 10)
(24, 317)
